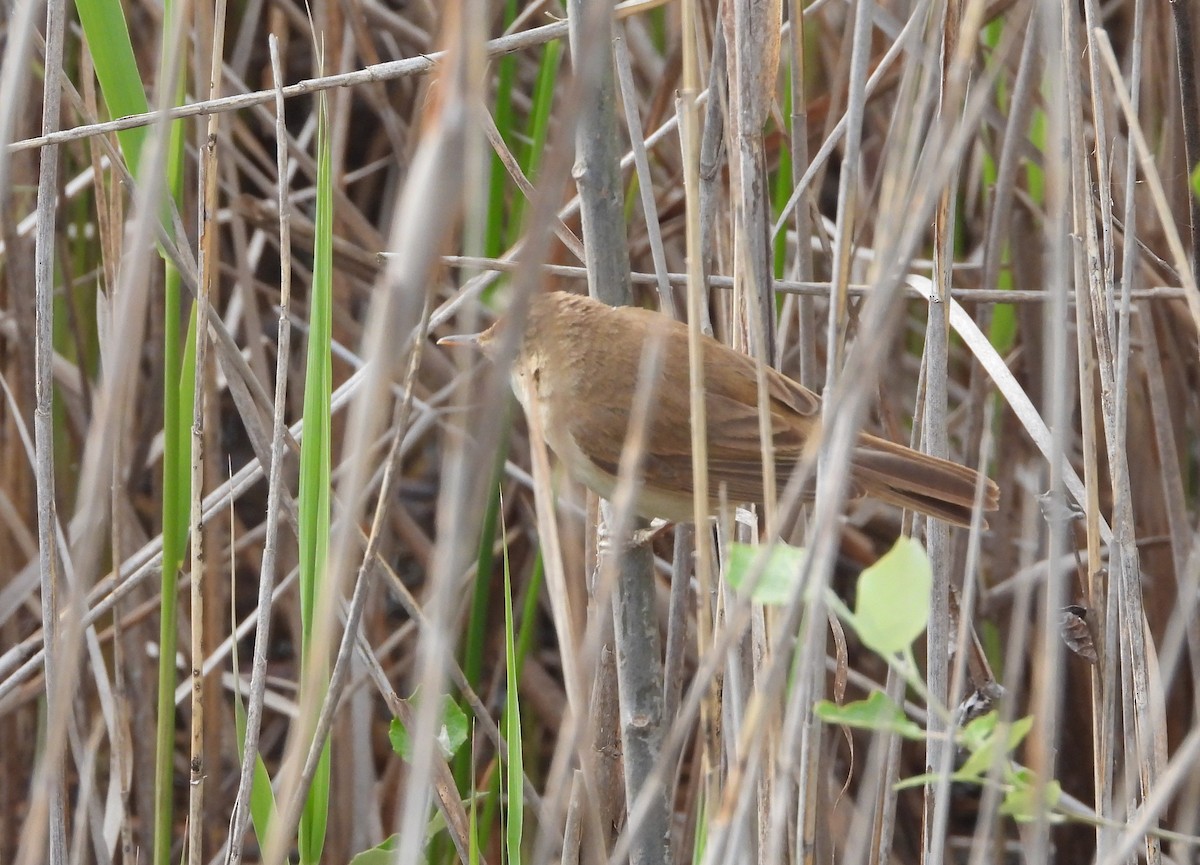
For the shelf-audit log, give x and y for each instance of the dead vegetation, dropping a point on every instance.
(988, 250)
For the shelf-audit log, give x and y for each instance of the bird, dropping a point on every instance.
(578, 363)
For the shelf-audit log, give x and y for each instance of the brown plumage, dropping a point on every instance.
(578, 364)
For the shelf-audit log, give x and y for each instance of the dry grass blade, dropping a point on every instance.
(971, 221)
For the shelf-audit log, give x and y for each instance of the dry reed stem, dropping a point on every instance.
(1120, 400)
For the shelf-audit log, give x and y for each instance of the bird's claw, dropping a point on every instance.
(641, 537)
(646, 536)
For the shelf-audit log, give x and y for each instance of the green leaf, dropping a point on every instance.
(916, 781)
(315, 473)
(893, 598)
(262, 795)
(877, 712)
(107, 34)
(780, 573)
(383, 854)
(979, 730)
(452, 731)
(981, 735)
(515, 825)
(1021, 801)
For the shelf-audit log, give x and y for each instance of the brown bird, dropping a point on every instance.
(578, 363)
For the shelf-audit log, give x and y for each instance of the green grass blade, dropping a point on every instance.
(475, 639)
(542, 108)
(529, 612)
(179, 387)
(498, 222)
(315, 470)
(512, 728)
(539, 124)
(262, 797)
(107, 34)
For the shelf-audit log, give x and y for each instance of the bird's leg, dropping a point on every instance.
(638, 537)
(649, 534)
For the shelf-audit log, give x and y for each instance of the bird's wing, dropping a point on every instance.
(731, 417)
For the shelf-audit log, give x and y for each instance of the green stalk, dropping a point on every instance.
(262, 797)
(539, 118)
(498, 222)
(782, 189)
(1003, 329)
(107, 35)
(315, 473)
(179, 385)
(514, 825)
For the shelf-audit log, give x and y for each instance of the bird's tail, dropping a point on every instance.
(910, 479)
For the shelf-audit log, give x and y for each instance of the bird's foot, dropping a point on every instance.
(606, 542)
(648, 535)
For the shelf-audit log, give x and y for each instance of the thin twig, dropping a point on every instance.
(1189, 102)
(275, 488)
(59, 664)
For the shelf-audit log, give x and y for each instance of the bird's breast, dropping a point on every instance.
(534, 390)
